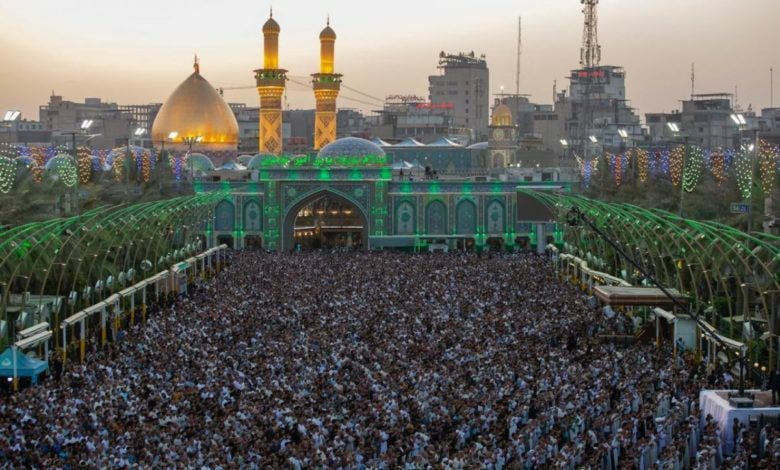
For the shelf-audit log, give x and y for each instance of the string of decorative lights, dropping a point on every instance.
(692, 170)
(743, 167)
(676, 164)
(718, 167)
(768, 161)
(7, 174)
(642, 161)
(84, 162)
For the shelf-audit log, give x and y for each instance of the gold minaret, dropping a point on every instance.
(326, 89)
(270, 86)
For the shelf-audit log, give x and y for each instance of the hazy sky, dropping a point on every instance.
(138, 51)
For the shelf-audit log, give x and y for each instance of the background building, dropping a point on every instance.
(409, 116)
(112, 125)
(596, 110)
(22, 131)
(464, 83)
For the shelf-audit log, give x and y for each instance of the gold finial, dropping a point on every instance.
(272, 11)
(328, 21)
(196, 64)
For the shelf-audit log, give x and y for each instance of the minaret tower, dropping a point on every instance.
(270, 86)
(326, 85)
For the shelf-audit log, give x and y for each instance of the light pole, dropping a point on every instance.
(741, 123)
(190, 141)
(675, 128)
(172, 136)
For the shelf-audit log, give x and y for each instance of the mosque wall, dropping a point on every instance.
(397, 214)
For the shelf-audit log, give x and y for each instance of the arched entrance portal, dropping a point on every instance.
(325, 221)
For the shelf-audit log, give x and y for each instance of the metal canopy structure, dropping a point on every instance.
(631, 296)
(87, 258)
(726, 273)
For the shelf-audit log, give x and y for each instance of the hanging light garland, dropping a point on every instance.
(743, 167)
(676, 163)
(178, 163)
(768, 160)
(84, 164)
(642, 161)
(665, 162)
(718, 167)
(62, 167)
(617, 163)
(587, 173)
(692, 168)
(39, 157)
(7, 174)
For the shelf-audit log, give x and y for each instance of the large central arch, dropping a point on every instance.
(326, 199)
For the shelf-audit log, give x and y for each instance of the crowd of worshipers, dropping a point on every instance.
(370, 360)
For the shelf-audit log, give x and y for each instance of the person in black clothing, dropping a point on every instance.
(774, 384)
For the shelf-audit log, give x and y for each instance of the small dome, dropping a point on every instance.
(271, 26)
(328, 33)
(502, 116)
(201, 162)
(195, 109)
(351, 147)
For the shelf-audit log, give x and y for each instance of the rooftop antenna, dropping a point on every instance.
(519, 52)
(555, 90)
(196, 64)
(693, 79)
(590, 54)
(771, 87)
(736, 98)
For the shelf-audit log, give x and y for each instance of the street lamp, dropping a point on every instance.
(674, 127)
(190, 141)
(623, 133)
(565, 146)
(594, 139)
(86, 124)
(171, 136)
(741, 123)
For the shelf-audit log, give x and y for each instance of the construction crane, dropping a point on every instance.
(590, 54)
(221, 90)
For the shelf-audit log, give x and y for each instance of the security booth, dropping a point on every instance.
(78, 321)
(179, 278)
(681, 329)
(192, 270)
(113, 311)
(649, 297)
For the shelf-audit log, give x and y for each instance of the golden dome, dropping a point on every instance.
(195, 109)
(271, 26)
(502, 116)
(328, 33)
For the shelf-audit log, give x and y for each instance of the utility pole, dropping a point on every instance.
(519, 52)
(693, 79)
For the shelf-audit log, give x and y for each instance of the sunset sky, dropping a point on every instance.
(138, 51)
